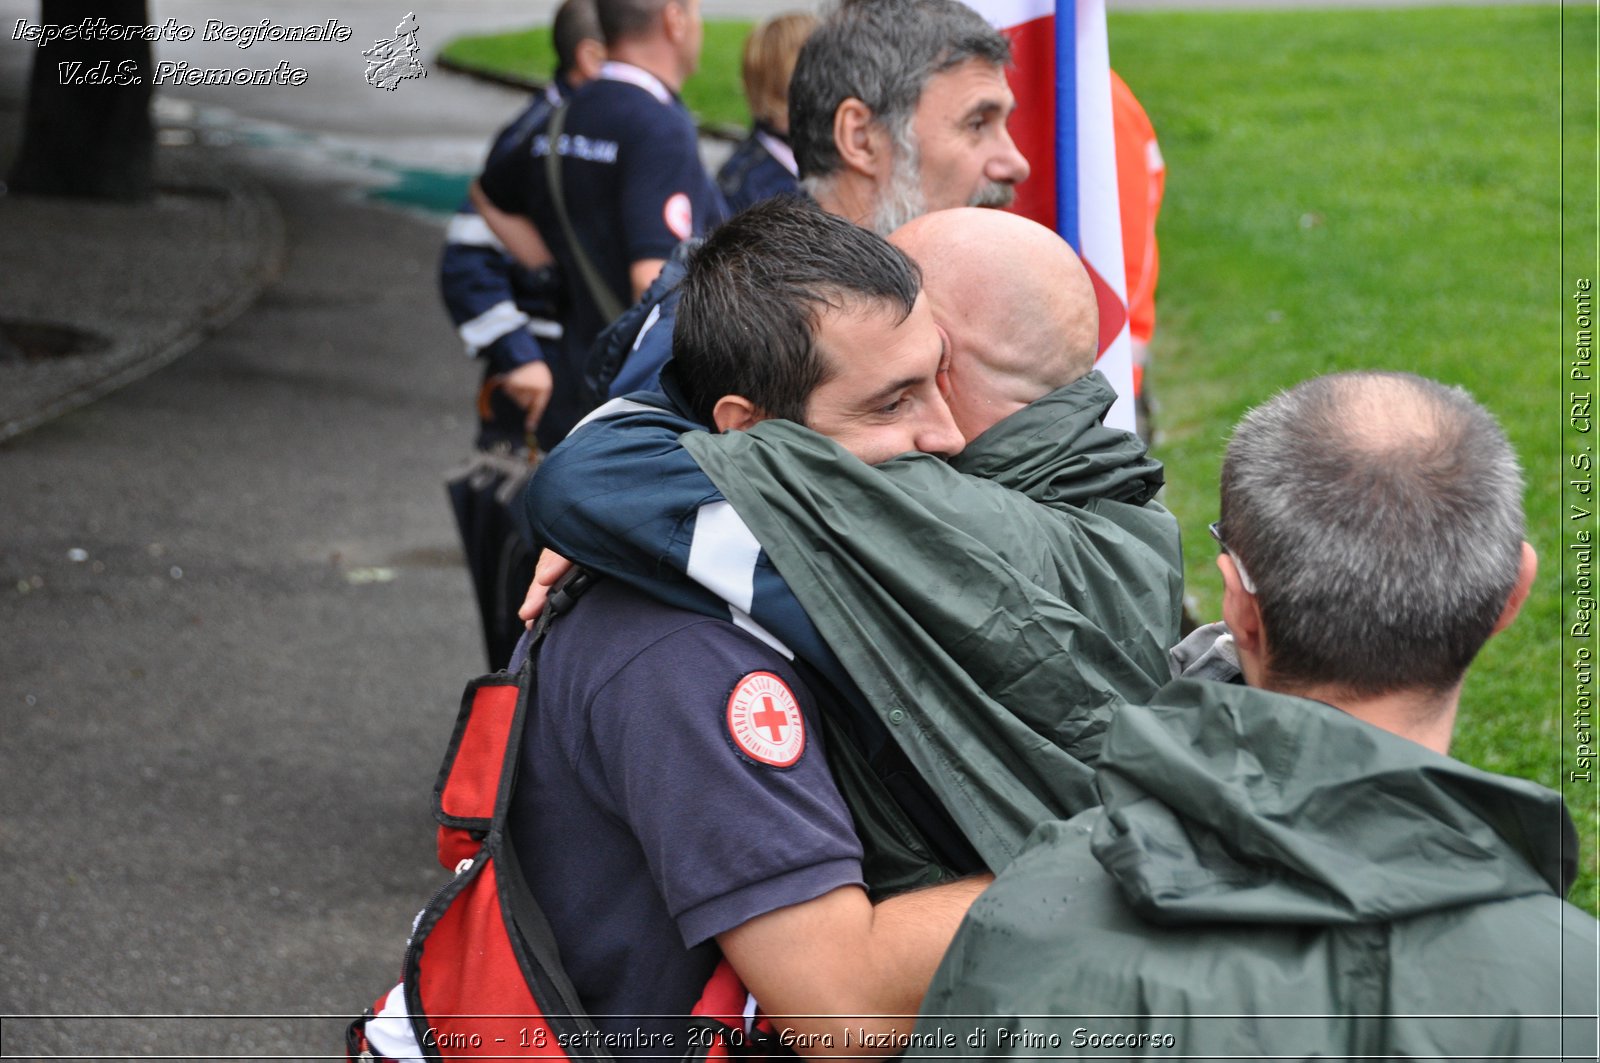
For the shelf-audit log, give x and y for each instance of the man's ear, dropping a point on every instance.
(735, 413)
(1240, 609)
(862, 143)
(1528, 568)
(942, 378)
(675, 19)
(588, 58)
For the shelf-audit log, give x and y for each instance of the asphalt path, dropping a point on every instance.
(235, 627)
(235, 662)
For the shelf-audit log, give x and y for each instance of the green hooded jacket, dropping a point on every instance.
(992, 609)
(1273, 878)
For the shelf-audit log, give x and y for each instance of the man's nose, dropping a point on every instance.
(939, 434)
(1008, 164)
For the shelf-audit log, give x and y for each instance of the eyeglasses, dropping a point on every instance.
(1215, 528)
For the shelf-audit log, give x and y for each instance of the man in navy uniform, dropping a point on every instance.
(509, 318)
(506, 315)
(630, 179)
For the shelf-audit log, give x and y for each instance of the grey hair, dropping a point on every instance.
(881, 52)
(901, 199)
(1380, 516)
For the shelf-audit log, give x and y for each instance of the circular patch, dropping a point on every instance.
(765, 721)
(679, 216)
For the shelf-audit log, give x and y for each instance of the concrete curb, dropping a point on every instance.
(157, 278)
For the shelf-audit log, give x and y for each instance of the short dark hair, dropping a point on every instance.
(755, 291)
(882, 52)
(1379, 516)
(621, 19)
(576, 21)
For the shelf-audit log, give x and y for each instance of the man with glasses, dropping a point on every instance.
(1292, 865)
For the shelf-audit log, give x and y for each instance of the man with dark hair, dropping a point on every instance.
(777, 287)
(674, 802)
(979, 617)
(842, 330)
(896, 108)
(629, 187)
(1298, 854)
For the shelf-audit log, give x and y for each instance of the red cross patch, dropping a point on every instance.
(765, 721)
(678, 213)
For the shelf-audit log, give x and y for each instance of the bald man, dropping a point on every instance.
(1015, 303)
(979, 616)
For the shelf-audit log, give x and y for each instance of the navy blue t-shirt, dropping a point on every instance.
(634, 187)
(672, 786)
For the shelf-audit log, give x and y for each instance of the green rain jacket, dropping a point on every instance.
(1273, 878)
(993, 619)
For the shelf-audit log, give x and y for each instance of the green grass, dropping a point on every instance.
(1378, 189)
(715, 93)
(1371, 188)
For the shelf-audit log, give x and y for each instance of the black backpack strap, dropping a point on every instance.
(609, 304)
(563, 596)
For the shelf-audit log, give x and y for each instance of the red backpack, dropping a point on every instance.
(482, 977)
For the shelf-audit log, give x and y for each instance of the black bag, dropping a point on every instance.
(484, 494)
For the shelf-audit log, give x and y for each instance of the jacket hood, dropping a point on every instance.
(1106, 464)
(1225, 803)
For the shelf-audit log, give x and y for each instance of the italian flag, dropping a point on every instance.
(1061, 75)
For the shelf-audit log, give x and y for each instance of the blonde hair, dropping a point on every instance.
(769, 55)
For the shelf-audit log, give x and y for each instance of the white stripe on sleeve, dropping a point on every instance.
(472, 231)
(499, 319)
(722, 559)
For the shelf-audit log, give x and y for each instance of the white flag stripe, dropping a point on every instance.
(1004, 13)
(1099, 209)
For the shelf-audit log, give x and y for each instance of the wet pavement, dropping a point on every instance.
(234, 625)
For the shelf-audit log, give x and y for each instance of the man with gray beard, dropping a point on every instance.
(897, 108)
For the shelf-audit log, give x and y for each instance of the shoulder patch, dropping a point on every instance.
(764, 720)
(678, 213)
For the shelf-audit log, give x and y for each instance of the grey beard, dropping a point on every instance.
(993, 194)
(901, 200)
